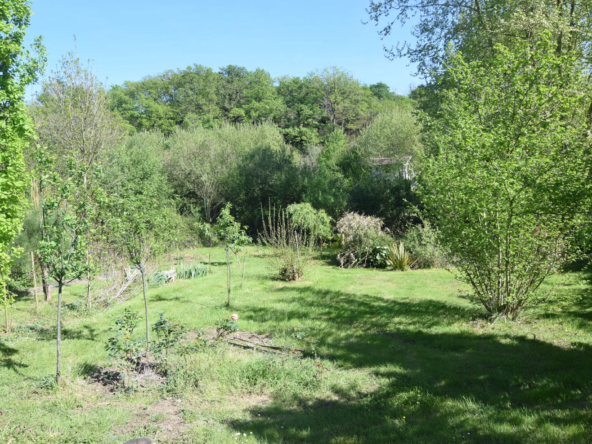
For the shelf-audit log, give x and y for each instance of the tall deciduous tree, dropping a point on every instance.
(476, 26)
(74, 122)
(507, 167)
(18, 68)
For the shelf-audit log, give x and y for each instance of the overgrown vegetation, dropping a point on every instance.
(484, 169)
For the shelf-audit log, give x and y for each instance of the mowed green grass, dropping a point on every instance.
(392, 357)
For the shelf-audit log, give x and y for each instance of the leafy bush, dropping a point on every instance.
(314, 223)
(399, 258)
(225, 326)
(191, 271)
(359, 236)
(378, 257)
(122, 348)
(157, 279)
(422, 241)
(169, 335)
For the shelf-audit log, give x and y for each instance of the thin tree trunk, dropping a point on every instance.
(59, 335)
(143, 271)
(228, 274)
(210, 258)
(88, 301)
(6, 318)
(34, 283)
(45, 280)
(244, 263)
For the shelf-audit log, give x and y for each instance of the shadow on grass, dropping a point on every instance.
(84, 332)
(436, 381)
(6, 358)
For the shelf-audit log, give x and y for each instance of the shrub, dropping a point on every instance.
(290, 252)
(359, 236)
(169, 335)
(314, 223)
(422, 241)
(122, 348)
(378, 257)
(225, 326)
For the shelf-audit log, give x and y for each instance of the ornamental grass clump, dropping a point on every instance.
(291, 249)
(360, 235)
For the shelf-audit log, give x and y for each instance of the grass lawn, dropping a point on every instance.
(400, 358)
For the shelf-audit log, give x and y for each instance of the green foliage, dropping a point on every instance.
(191, 271)
(65, 220)
(122, 347)
(315, 223)
(378, 257)
(157, 279)
(139, 205)
(393, 134)
(512, 164)
(18, 69)
(225, 326)
(169, 335)
(230, 232)
(423, 242)
(399, 258)
(474, 30)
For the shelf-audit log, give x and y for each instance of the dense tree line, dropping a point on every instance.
(305, 109)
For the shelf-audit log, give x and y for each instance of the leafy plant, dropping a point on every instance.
(506, 169)
(19, 69)
(231, 232)
(399, 258)
(157, 279)
(169, 335)
(379, 257)
(122, 347)
(308, 221)
(423, 243)
(191, 271)
(225, 326)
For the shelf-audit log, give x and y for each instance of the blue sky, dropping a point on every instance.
(130, 39)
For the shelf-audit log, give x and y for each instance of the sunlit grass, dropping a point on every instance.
(400, 357)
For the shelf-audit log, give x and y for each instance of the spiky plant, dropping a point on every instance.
(399, 258)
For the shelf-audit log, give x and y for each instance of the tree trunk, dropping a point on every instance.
(143, 271)
(34, 283)
(59, 335)
(210, 258)
(45, 280)
(6, 318)
(228, 274)
(244, 263)
(88, 301)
